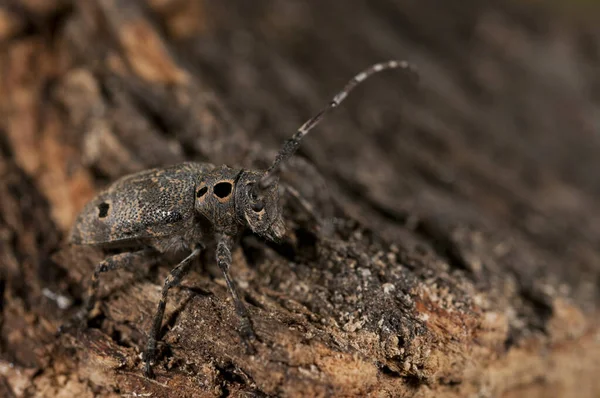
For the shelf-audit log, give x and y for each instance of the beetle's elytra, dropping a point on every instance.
(190, 205)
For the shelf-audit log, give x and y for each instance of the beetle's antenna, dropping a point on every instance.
(291, 145)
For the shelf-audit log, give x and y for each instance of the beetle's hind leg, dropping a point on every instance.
(173, 279)
(112, 263)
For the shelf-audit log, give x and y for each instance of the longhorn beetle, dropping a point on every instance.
(188, 205)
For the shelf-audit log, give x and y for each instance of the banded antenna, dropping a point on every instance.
(291, 145)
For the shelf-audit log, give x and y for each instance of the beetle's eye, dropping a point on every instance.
(202, 192)
(258, 206)
(251, 192)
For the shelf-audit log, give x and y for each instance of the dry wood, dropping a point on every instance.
(466, 256)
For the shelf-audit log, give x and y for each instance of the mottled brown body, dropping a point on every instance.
(146, 208)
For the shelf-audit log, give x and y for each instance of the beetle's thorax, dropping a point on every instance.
(215, 193)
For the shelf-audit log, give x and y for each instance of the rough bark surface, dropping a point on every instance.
(465, 259)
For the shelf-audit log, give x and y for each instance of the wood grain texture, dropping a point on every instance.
(465, 259)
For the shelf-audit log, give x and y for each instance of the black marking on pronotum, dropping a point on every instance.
(190, 205)
(202, 191)
(223, 189)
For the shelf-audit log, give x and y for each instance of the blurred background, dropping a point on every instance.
(488, 163)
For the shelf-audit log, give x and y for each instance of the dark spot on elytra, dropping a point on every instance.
(223, 189)
(103, 209)
(201, 192)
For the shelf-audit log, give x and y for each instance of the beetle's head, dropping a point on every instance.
(259, 209)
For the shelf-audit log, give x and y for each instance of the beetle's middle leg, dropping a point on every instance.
(173, 279)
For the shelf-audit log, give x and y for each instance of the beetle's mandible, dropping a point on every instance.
(189, 205)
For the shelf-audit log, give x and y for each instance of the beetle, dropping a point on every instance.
(187, 206)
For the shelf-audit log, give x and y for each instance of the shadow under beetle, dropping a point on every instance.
(184, 207)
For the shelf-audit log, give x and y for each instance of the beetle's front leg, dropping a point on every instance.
(324, 225)
(224, 246)
(307, 179)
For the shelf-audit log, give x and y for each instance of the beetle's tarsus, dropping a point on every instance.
(77, 322)
(148, 372)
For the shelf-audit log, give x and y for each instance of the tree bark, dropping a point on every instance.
(465, 259)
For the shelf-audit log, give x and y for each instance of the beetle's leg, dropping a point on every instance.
(173, 279)
(224, 245)
(117, 261)
(112, 263)
(325, 224)
(308, 179)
